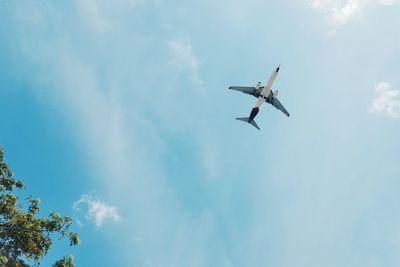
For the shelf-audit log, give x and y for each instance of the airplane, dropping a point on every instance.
(264, 94)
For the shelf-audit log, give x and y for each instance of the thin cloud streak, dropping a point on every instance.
(183, 57)
(101, 16)
(123, 148)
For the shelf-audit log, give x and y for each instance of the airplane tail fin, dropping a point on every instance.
(245, 119)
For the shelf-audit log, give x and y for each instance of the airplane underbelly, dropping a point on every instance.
(260, 101)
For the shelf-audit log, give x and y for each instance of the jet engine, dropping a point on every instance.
(276, 93)
(258, 85)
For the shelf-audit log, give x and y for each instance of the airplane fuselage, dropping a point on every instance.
(265, 92)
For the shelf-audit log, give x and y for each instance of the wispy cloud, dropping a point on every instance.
(387, 101)
(91, 11)
(100, 15)
(211, 160)
(339, 13)
(387, 2)
(184, 58)
(105, 106)
(96, 211)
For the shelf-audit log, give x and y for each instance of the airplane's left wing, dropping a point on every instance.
(278, 105)
(246, 90)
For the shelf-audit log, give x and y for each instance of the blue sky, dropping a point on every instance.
(118, 113)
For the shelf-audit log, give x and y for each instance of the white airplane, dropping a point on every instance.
(264, 94)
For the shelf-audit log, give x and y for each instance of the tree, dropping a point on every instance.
(24, 236)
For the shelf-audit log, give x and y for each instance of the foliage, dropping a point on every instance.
(23, 235)
(67, 261)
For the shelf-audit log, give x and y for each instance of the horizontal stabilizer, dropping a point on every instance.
(247, 120)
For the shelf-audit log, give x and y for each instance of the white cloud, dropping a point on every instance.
(387, 101)
(339, 12)
(183, 56)
(95, 210)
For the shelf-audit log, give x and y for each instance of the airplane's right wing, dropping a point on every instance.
(278, 105)
(247, 90)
